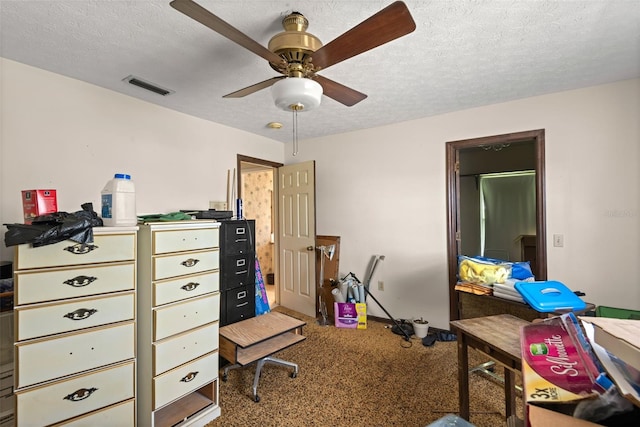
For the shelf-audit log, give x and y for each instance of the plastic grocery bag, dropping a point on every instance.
(55, 227)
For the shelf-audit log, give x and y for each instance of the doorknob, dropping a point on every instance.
(310, 248)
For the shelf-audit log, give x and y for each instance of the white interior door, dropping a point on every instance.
(296, 205)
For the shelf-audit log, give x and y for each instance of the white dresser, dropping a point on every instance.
(178, 313)
(75, 331)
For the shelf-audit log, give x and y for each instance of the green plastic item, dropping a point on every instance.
(617, 313)
(172, 216)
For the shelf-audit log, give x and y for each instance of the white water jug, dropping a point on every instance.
(119, 202)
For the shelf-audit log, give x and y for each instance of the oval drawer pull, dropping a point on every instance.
(190, 286)
(81, 314)
(80, 281)
(189, 377)
(190, 262)
(80, 248)
(241, 262)
(80, 394)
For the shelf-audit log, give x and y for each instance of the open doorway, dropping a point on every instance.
(257, 189)
(469, 159)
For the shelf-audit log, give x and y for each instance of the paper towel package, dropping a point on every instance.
(558, 364)
(350, 315)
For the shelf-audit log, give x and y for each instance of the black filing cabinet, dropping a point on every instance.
(237, 270)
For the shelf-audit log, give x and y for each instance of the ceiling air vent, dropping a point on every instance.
(148, 85)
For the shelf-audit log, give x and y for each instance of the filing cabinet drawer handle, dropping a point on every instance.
(240, 240)
(80, 394)
(80, 248)
(243, 304)
(240, 230)
(190, 286)
(80, 281)
(190, 262)
(241, 272)
(81, 314)
(189, 377)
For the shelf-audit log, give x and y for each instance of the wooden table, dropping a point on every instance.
(256, 339)
(499, 338)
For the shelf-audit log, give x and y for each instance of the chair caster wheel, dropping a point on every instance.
(225, 378)
(294, 374)
(256, 398)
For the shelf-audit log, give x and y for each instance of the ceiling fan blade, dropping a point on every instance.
(253, 88)
(390, 23)
(338, 92)
(208, 19)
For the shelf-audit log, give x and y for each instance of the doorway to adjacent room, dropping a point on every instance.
(288, 232)
(467, 161)
(257, 190)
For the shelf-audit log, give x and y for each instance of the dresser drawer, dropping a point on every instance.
(168, 241)
(6, 376)
(49, 285)
(46, 359)
(179, 349)
(120, 415)
(47, 319)
(185, 263)
(62, 400)
(169, 291)
(7, 402)
(238, 270)
(182, 316)
(105, 248)
(184, 379)
(8, 421)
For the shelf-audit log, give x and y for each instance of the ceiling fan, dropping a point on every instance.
(299, 55)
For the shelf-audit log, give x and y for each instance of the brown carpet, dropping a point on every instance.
(356, 378)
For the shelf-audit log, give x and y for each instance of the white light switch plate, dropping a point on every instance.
(558, 240)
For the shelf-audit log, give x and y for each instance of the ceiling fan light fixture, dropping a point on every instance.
(296, 93)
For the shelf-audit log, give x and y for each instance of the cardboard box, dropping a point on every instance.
(349, 315)
(38, 202)
(616, 343)
(542, 417)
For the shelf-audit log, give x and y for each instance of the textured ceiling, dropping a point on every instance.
(463, 54)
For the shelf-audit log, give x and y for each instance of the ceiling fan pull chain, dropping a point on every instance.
(295, 131)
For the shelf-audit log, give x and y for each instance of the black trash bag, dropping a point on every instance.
(55, 227)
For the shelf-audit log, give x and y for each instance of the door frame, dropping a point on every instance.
(276, 243)
(453, 200)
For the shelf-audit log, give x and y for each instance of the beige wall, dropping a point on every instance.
(61, 133)
(381, 190)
